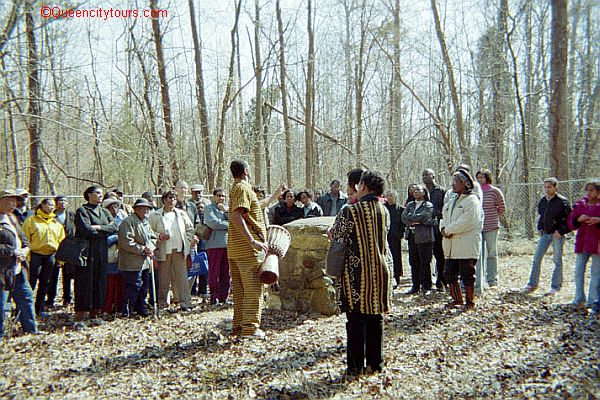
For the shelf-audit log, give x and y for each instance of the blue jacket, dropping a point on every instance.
(218, 221)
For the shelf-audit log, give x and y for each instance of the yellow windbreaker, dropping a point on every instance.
(43, 232)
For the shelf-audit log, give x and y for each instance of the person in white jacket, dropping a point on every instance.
(461, 230)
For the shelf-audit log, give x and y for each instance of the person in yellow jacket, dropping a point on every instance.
(44, 233)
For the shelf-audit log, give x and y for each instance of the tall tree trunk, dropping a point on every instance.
(33, 106)
(284, 104)
(395, 128)
(166, 100)
(359, 85)
(523, 118)
(559, 138)
(349, 76)
(258, 124)
(157, 154)
(201, 99)
(308, 111)
(227, 98)
(499, 91)
(460, 130)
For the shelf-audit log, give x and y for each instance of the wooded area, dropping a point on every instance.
(303, 89)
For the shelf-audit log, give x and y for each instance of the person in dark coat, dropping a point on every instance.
(418, 217)
(332, 202)
(287, 211)
(94, 224)
(396, 232)
(310, 209)
(436, 195)
(67, 219)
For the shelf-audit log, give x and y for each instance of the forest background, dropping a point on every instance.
(395, 86)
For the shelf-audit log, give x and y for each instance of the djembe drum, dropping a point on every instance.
(278, 239)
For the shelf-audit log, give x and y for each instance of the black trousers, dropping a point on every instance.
(396, 250)
(438, 253)
(419, 257)
(463, 267)
(40, 269)
(67, 278)
(364, 342)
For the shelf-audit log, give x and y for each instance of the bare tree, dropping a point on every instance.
(458, 115)
(33, 104)
(559, 138)
(284, 100)
(228, 97)
(166, 100)
(201, 99)
(258, 122)
(310, 96)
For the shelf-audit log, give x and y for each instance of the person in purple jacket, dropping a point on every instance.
(586, 219)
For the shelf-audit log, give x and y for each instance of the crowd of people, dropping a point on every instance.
(139, 257)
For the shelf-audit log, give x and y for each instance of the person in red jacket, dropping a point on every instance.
(586, 219)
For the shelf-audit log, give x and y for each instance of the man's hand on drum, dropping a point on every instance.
(260, 246)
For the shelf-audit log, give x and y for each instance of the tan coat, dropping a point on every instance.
(186, 229)
(133, 238)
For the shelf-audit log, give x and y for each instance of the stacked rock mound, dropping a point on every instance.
(303, 286)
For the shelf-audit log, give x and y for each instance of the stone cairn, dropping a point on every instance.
(303, 286)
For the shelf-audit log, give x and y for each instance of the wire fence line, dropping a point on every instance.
(521, 203)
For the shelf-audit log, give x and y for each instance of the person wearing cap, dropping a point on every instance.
(14, 248)
(94, 224)
(217, 219)
(175, 239)
(22, 212)
(44, 234)
(137, 243)
(115, 284)
(461, 224)
(67, 219)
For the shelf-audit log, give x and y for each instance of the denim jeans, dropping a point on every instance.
(580, 264)
(487, 264)
(22, 294)
(542, 246)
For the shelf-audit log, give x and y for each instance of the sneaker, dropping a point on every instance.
(553, 292)
(528, 289)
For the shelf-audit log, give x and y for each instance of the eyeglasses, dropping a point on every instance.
(220, 195)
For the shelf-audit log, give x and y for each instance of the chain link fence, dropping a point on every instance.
(522, 199)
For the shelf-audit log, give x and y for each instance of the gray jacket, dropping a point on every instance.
(218, 221)
(134, 235)
(326, 203)
(424, 215)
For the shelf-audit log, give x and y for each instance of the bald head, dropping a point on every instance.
(428, 177)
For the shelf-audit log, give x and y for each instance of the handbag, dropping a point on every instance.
(203, 231)
(73, 251)
(199, 265)
(336, 255)
(113, 254)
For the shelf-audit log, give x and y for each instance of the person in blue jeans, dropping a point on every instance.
(13, 251)
(553, 210)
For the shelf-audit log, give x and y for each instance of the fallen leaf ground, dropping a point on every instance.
(512, 346)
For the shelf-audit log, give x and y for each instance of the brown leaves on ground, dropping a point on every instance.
(511, 346)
